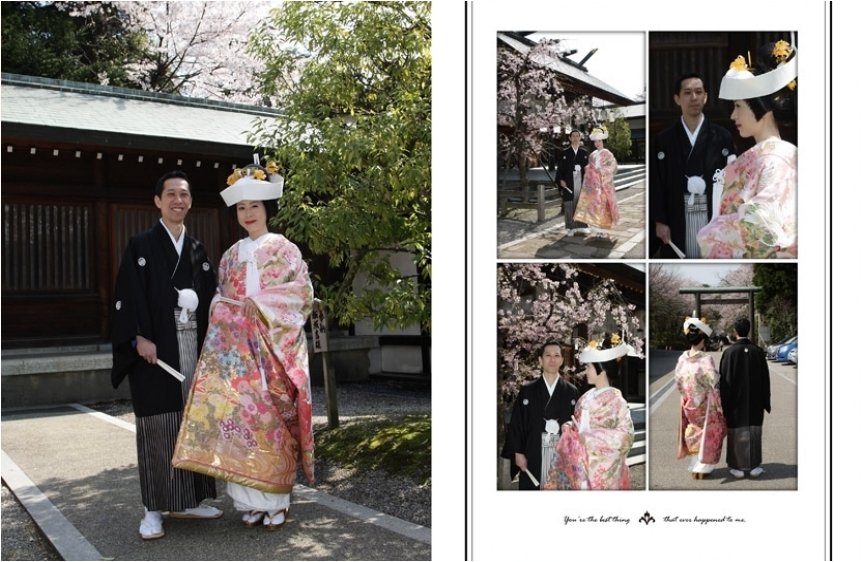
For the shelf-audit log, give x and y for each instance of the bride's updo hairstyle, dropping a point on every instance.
(605, 356)
(695, 329)
(767, 84)
(782, 102)
(694, 336)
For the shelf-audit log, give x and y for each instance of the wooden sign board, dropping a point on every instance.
(319, 328)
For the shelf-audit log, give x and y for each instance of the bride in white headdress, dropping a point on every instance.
(755, 215)
(597, 204)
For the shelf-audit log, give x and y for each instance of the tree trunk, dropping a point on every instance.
(522, 174)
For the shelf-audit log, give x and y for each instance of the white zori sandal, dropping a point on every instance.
(253, 518)
(276, 520)
(151, 525)
(201, 512)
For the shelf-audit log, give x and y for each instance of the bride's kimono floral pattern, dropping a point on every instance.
(595, 458)
(758, 209)
(597, 204)
(702, 426)
(248, 419)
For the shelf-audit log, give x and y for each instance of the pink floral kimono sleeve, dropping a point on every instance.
(595, 458)
(597, 203)
(701, 428)
(758, 209)
(285, 302)
(248, 419)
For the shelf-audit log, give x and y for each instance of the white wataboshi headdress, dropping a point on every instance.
(251, 184)
(740, 84)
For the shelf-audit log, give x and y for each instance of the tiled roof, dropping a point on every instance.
(565, 68)
(62, 104)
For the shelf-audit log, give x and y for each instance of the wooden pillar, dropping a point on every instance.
(753, 329)
(320, 345)
(540, 197)
(104, 275)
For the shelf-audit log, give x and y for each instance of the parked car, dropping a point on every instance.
(773, 349)
(782, 353)
(792, 356)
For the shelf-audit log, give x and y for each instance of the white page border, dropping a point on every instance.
(501, 522)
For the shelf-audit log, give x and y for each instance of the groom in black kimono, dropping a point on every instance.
(162, 297)
(691, 147)
(744, 387)
(570, 171)
(542, 407)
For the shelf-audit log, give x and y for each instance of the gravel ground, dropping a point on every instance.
(396, 496)
(399, 497)
(22, 539)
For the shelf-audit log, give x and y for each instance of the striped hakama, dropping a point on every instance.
(549, 454)
(569, 206)
(744, 447)
(164, 488)
(696, 219)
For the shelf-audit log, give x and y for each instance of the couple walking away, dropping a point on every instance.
(713, 404)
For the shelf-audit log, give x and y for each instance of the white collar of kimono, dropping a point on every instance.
(770, 138)
(551, 386)
(594, 392)
(248, 247)
(247, 255)
(178, 243)
(692, 134)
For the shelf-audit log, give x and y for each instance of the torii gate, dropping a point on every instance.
(749, 299)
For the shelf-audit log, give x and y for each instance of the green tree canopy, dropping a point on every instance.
(619, 138)
(82, 41)
(777, 300)
(354, 81)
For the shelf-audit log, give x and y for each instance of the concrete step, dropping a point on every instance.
(638, 452)
(539, 175)
(102, 347)
(630, 176)
(81, 373)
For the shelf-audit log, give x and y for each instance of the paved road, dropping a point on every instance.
(779, 442)
(519, 237)
(76, 472)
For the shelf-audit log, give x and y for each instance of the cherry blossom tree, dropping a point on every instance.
(541, 302)
(531, 103)
(727, 314)
(668, 308)
(198, 48)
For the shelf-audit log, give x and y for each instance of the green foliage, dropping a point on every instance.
(619, 138)
(354, 81)
(82, 41)
(400, 446)
(777, 300)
